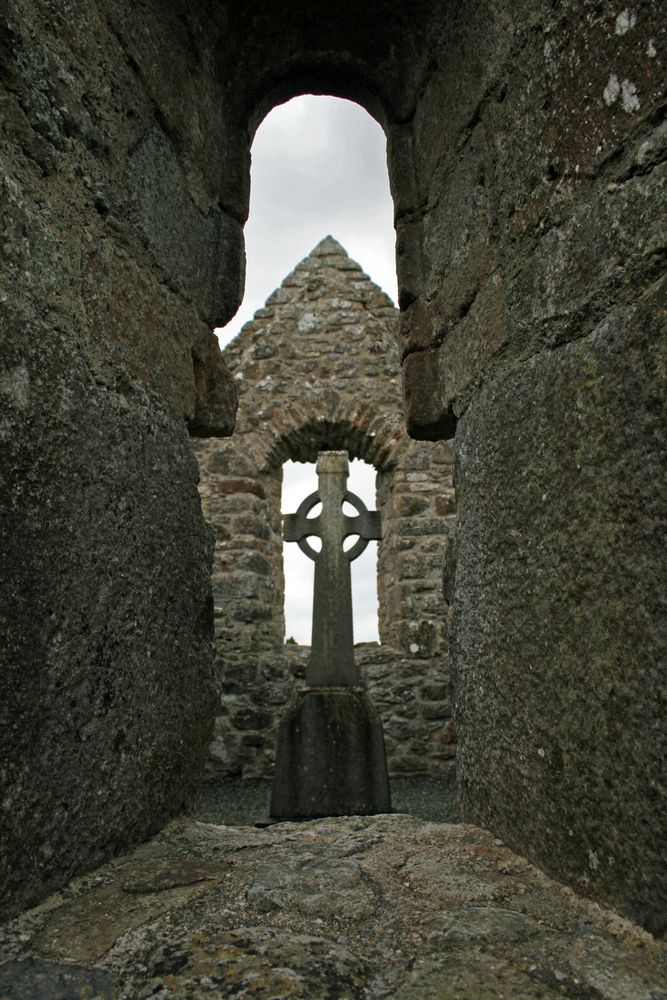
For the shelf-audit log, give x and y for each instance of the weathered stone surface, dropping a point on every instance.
(183, 240)
(129, 312)
(531, 208)
(106, 683)
(302, 370)
(106, 644)
(524, 147)
(374, 907)
(93, 128)
(33, 977)
(575, 702)
(531, 190)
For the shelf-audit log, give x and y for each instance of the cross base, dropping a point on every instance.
(330, 758)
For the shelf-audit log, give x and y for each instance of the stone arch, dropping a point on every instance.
(317, 369)
(324, 80)
(321, 63)
(293, 57)
(374, 439)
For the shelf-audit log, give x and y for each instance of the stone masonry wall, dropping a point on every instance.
(317, 369)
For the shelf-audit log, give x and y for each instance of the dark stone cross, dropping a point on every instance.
(330, 758)
(332, 651)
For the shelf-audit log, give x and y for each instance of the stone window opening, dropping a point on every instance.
(326, 155)
(300, 479)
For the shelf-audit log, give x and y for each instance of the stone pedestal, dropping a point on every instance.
(330, 758)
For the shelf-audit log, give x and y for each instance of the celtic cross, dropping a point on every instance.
(332, 651)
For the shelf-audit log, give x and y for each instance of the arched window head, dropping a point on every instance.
(319, 165)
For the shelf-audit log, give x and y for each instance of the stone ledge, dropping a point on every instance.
(383, 906)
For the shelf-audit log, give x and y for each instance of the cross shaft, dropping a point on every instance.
(332, 646)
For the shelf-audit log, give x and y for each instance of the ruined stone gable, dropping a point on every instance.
(317, 369)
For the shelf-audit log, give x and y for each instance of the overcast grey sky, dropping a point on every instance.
(318, 169)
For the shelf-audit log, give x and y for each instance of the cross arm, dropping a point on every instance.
(365, 524)
(297, 526)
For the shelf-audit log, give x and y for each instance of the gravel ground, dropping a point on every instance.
(246, 803)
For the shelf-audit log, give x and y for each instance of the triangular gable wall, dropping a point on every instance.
(317, 368)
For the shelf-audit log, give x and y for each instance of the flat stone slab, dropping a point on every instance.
(351, 907)
(29, 978)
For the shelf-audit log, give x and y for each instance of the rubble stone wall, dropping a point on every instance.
(316, 369)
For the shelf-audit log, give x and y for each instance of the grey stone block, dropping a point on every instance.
(330, 757)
